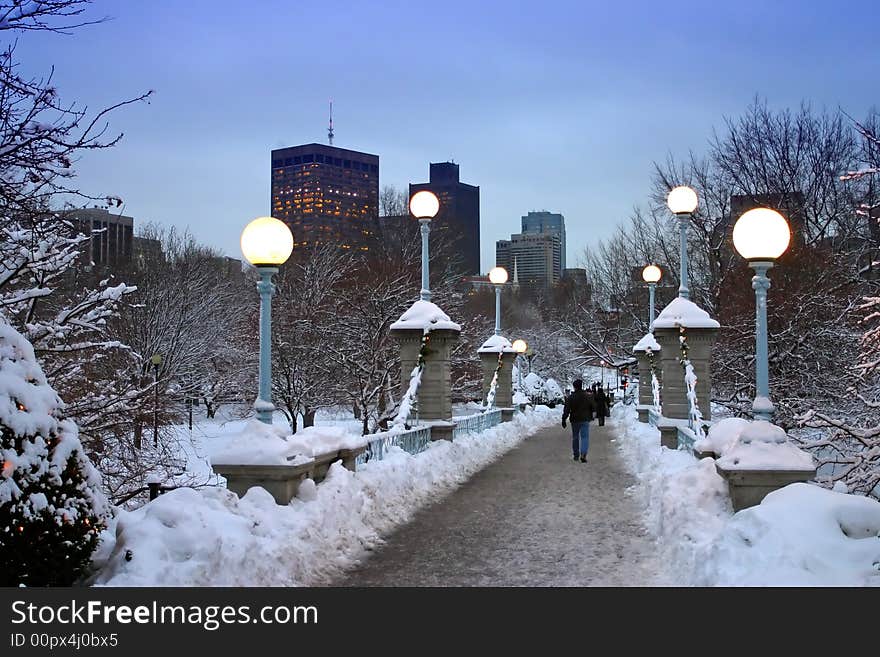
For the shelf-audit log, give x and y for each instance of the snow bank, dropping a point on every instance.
(210, 537)
(683, 312)
(258, 443)
(722, 435)
(801, 535)
(425, 315)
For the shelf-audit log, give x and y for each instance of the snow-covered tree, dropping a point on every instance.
(52, 507)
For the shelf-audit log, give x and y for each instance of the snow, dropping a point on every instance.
(800, 535)
(647, 342)
(424, 315)
(496, 344)
(408, 399)
(210, 537)
(683, 312)
(758, 455)
(257, 444)
(722, 435)
(264, 444)
(520, 398)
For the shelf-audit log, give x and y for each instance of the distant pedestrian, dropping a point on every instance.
(601, 406)
(580, 407)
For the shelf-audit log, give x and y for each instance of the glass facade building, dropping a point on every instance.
(326, 195)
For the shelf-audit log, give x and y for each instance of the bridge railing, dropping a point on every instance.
(468, 424)
(413, 441)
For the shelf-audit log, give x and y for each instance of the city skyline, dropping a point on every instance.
(572, 126)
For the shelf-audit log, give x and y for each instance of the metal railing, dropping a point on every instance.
(412, 441)
(476, 423)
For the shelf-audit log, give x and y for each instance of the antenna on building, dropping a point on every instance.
(330, 129)
(515, 273)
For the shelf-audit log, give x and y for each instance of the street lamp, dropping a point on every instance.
(156, 361)
(498, 277)
(266, 243)
(760, 236)
(424, 207)
(651, 275)
(520, 346)
(682, 201)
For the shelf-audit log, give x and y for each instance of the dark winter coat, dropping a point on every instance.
(580, 406)
(601, 403)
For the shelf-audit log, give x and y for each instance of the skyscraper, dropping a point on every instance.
(535, 255)
(326, 194)
(547, 222)
(459, 216)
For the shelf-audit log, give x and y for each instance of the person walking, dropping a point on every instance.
(580, 407)
(601, 406)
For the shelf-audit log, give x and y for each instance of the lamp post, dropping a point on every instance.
(156, 361)
(682, 201)
(266, 243)
(602, 365)
(498, 277)
(520, 346)
(651, 275)
(424, 207)
(760, 236)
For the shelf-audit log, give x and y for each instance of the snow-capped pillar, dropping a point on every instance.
(434, 395)
(646, 350)
(489, 353)
(700, 331)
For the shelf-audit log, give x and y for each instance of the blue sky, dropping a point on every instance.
(550, 105)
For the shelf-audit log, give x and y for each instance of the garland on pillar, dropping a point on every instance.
(695, 416)
(490, 396)
(655, 382)
(410, 398)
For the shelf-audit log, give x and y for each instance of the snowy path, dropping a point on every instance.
(533, 518)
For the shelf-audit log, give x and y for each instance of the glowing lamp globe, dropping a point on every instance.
(761, 234)
(266, 242)
(682, 200)
(520, 346)
(424, 205)
(651, 274)
(498, 276)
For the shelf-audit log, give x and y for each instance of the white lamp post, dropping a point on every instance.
(761, 236)
(651, 275)
(682, 201)
(498, 277)
(520, 346)
(266, 243)
(424, 207)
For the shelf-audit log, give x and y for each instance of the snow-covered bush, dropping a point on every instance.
(51, 504)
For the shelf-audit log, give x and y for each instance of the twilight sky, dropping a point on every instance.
(560, 105)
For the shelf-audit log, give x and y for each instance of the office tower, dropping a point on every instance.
(459, 217)
(326, 195)
(111, 236)
(536, 256)
(547, 222)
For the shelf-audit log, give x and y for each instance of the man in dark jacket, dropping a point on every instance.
(580, 407)
(601, 406)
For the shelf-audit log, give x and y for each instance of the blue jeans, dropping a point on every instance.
(580, 438)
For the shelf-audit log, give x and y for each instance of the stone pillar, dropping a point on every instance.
(504, 388)
(435, 391)
(489, 359)
(646, 390)
(700, 343)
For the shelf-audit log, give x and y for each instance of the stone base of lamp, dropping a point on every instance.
(643, 413)
(507, 414)
(435, 391)
(700, 342)
(440, 429)
(281, 481)
(749, 487)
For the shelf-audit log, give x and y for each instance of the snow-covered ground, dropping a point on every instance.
(801, 535)
(209, 536)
